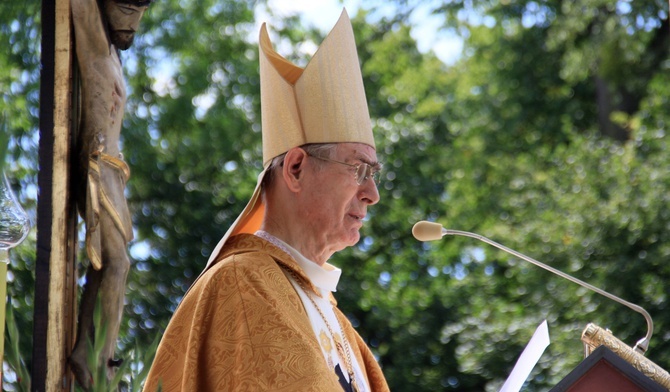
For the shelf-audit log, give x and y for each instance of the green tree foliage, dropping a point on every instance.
(548, 135)
(20, 34)
(191, 143)
(517, 150)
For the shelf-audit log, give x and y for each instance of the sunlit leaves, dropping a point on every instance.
(506, 142)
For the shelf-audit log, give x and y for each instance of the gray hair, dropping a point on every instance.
(318, 149)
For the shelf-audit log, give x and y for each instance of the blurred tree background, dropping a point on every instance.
(547, 134)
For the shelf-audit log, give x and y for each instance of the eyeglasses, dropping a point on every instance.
(363, 170)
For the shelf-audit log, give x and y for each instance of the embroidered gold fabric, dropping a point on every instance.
(242, 327)
(322, 103)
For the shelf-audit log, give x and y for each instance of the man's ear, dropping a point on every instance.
(293, 169)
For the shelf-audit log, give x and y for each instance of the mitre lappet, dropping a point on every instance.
(321, 103)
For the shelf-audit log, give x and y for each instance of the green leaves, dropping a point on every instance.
(549, 135)
(4, 141)
(515, 152)
(13, 354)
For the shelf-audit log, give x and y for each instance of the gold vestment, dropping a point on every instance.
(243, 327)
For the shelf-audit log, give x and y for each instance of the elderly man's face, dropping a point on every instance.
(335, 204)
(124, 20)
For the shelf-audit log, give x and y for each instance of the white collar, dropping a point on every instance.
(324, 277)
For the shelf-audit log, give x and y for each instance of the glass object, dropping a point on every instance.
(14, 227)
(14, 222)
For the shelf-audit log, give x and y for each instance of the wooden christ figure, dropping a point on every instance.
(102, 28)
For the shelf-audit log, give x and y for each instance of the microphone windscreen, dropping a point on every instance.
(427, 231)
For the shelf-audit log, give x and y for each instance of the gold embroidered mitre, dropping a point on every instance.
(322, 103)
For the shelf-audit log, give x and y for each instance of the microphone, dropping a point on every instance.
(428, 231)
(431, 231)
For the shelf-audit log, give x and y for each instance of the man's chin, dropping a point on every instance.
(122, 40)
(354, 239)
(347, 242)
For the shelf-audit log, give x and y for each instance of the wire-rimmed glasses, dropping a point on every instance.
(363, 170)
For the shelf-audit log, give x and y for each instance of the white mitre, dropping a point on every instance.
(322, 103)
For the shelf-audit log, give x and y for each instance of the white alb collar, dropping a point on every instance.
(325, 278)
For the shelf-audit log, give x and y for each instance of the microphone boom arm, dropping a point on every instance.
(641, 345)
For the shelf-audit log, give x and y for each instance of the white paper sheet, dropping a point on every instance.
(528, 359)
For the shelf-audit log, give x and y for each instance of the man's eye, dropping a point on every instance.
(127, 10)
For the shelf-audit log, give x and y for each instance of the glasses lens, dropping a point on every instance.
(376, 176)
(366, 171)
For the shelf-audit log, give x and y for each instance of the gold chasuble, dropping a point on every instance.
(243, 327)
